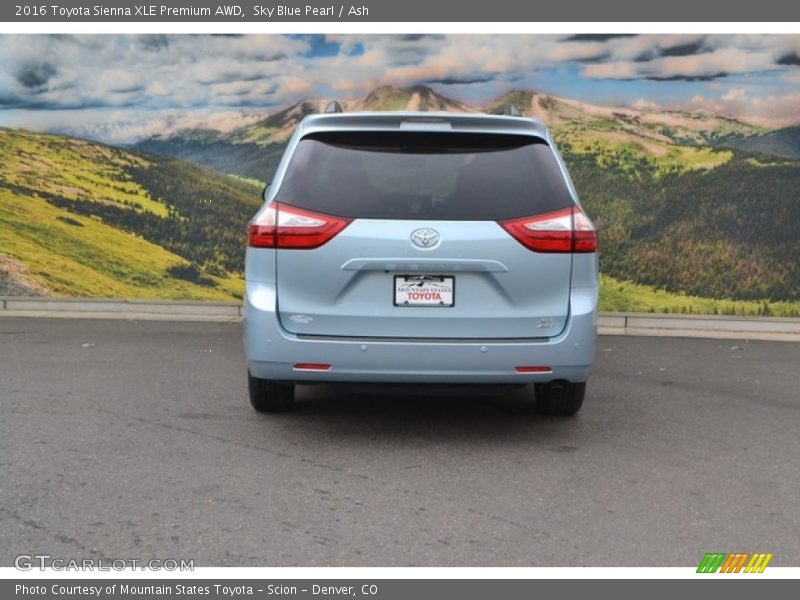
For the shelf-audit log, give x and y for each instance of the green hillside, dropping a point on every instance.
(626, 296)
(83, 219)
(729, 232)
(622, 137)
(783, 142)
(687, 222)
(79, 218)
(246, 159)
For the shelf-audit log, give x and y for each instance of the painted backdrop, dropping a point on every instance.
(129, 164)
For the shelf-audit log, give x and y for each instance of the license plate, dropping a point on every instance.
(424, 290)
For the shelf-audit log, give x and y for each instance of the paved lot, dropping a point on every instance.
(136, 440)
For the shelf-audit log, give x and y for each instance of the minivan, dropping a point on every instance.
(421, 248)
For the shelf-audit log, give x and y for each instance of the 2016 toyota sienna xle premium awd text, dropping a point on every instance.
(421, 248)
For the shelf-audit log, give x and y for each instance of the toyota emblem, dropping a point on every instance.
(425, 238)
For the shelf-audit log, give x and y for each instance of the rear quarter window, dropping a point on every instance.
(410, 175)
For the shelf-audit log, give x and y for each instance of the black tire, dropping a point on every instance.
(269, 396)
(559, 397)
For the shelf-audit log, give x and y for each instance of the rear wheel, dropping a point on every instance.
(269, 396)
(559, 397)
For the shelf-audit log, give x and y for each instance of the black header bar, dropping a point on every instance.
(439, 11)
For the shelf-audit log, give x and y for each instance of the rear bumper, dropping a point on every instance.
(273, 352)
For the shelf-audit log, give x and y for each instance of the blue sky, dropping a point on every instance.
(119, 88)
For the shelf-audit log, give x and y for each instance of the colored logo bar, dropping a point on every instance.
(736, 562)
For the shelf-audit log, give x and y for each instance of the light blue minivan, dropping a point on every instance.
(420, 247)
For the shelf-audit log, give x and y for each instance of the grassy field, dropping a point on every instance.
(72, 168)
(624, 296)
(617, 148)
(79, 256)
(69, 254)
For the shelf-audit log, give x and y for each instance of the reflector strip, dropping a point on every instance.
(311, 367)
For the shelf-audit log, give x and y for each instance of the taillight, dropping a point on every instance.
(566, 230)
(282, 226)
(585, 239)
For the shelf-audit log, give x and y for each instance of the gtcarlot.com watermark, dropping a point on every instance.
(43, 562)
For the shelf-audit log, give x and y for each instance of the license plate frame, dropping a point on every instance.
(429, 285)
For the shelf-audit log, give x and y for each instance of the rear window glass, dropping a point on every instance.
(405, 175)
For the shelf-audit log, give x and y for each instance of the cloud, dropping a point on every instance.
(119, 70)
(125, 125)
(792, 77)
(34, 76)
(462, 80)
(291, 87)
(612, 70)
(688, 49)
(598, 37)
(120, 81)
(700, 102)
(579, 51)
(647, 105)
(735, 95)
(689, 67)
(416, 37)
(789, 59)
(770, 109)
(689, 78)
(779, 109)
(154, 43)
(163, 76)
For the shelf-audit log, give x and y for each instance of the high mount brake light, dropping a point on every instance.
(283, 226)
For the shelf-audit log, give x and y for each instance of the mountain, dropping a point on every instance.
(253, 151)
(661, 125)
(79, 218)
(277, 128)
(784, 142)
(418, 97)
(672, 140)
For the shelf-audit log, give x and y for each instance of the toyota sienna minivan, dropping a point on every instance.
(425, 248)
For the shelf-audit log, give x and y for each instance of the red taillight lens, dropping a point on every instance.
(566, 230)
(585, 234)
(282, 226)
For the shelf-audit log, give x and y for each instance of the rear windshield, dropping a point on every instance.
(405, 175)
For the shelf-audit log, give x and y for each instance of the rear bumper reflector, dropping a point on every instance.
(312, 367)
(531, 369)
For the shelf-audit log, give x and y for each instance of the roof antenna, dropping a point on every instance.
(509, 110)
(333, 107)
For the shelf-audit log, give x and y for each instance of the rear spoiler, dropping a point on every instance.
(424, 121)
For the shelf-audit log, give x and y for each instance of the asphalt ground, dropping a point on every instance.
(123, 439)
